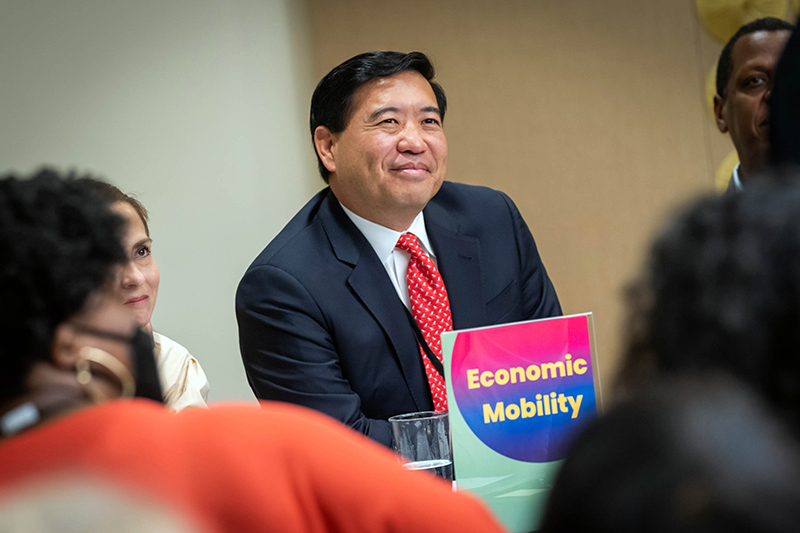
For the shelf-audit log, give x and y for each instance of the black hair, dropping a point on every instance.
(698, 456)
(722, 292)
(332, 101)
(59, 243)
(725, 63)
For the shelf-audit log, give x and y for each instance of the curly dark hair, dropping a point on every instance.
(723, 293)
(691, 455)
(59, 243)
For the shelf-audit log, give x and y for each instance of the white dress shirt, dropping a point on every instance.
(737, 183)
(395, 261)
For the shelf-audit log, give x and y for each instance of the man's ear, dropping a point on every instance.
(64, 348)
(324, 141)
(719, 118)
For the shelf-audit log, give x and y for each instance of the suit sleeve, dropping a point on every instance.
(539, 299)
(289, 354)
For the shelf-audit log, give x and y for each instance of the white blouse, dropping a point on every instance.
(182, 379)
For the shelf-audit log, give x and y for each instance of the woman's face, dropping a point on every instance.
(139, 278)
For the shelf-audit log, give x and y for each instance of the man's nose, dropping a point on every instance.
(411, 140)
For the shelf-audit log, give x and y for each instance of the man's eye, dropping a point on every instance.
(144, 251)
(389, 121)
(755, 81)
(431, 121)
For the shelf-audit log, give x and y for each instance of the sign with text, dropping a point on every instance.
(518, 394)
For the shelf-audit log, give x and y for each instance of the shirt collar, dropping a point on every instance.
(383, 239)
(737, 183)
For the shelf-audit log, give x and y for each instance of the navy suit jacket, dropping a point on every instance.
(320, 322)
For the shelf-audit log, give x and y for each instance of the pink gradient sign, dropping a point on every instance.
(526, 389)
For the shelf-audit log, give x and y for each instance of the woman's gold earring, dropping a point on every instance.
(110, 363)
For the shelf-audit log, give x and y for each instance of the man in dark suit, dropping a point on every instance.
(342, 311)
(745, 74)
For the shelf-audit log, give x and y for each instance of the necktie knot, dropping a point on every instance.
(409, 243)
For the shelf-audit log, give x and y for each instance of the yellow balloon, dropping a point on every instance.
(722, 18)
(725, 170)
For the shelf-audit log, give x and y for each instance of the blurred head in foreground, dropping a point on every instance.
(67, 341)
(784, 126)
(722, 293)
(692, 456)
(82, 504)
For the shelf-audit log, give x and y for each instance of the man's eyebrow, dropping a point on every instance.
(382, 111)
(432, 109)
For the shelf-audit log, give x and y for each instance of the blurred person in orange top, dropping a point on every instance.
(72, 353)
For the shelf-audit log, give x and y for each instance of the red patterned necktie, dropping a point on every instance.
(430, 308)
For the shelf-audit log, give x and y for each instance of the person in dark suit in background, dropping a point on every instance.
(342, 311)
(745, 75)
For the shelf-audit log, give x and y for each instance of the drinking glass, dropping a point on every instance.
(423, 439)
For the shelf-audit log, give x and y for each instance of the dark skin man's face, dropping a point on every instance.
(744, 110)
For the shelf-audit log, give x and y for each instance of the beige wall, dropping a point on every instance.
(199, 106)
(590, 114)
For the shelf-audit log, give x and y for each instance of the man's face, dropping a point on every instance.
(391, 157)
(744, 111)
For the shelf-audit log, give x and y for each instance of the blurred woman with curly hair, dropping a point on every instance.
(71, 350)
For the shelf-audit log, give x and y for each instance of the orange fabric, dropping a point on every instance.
(241, 468)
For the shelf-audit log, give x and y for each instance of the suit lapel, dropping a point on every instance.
(459, 258)
(375, 290)
(379, 296)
